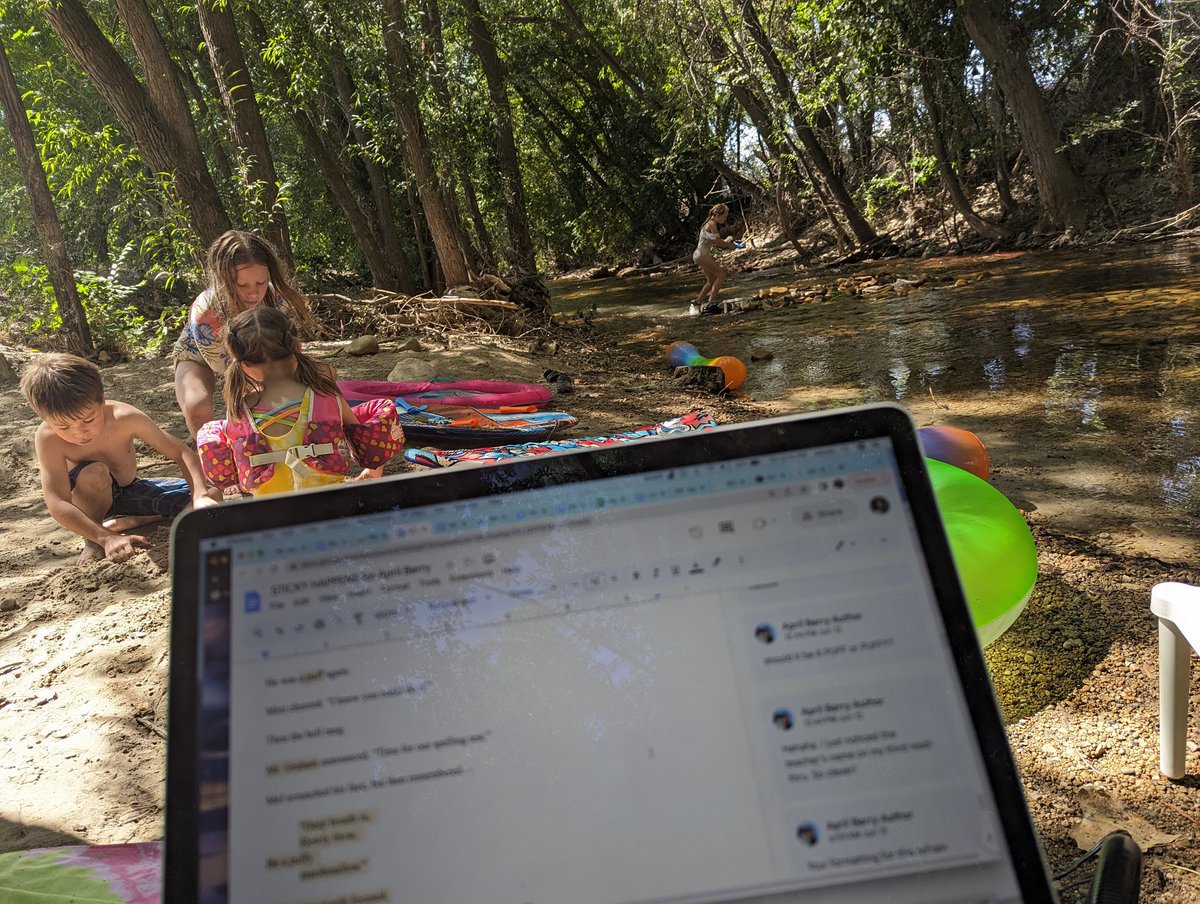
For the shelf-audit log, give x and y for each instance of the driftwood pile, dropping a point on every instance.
(483, 307)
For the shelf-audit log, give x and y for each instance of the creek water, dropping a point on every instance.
(1080, 370)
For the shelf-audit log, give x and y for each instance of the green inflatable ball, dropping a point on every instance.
(992, 547)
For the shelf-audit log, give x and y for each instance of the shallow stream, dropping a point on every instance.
(1079, 370)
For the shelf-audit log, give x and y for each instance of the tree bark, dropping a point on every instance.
(45, 216)
(456, 172)
(241, 105)
(131, 104)
(424, 253)
(161, 78)
(327, 163)
(1061, 191)
(381, 193)
(863, 231)
(997, 118)
(182, 35)
(441, 220)
(484, 46)
(950, 180)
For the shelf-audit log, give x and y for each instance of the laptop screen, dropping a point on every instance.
(709, 669)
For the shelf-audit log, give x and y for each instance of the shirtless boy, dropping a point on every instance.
(88, 465)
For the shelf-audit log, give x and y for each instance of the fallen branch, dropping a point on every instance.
(150, 725)
(480, 302)
(386, 313)
(1156, 228)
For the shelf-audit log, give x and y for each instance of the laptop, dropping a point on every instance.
(732, 665)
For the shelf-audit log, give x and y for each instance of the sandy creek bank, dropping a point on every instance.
(1080, 370)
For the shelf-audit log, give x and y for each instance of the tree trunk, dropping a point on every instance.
(457, 173)
(45, 217)
(161, 78)
(548, 98)
(335, 179)
(950, 180)
(484, 46)
(766, 130)
(128, 99)
(579, 157)
(381, 193)
(241, 105)
(440, 219)
(182, 35)
(997, 119)
(859, 126)
(424, 254)
(1061, 191)
(486, 251)
(863, 231)
(215, 144)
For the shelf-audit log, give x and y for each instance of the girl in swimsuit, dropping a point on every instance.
(244, 271)
(714, 273)
(275, 390)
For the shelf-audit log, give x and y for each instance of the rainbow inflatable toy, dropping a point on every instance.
(684, 354)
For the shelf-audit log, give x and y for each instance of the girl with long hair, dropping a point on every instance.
(289, 427)
(714, 273)
(244, 271)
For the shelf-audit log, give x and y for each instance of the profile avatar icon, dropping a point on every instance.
(783, 719)
(765, 633)
(879, 505)
(806, 832)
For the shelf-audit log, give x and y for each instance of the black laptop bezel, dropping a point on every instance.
(181, 844)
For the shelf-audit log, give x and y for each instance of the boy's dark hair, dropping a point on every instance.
(60, 385)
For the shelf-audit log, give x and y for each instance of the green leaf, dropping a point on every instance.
(42, 879)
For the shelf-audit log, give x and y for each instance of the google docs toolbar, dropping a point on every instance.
(799, 473)
(476, 571)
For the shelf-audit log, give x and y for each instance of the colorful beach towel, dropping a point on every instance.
(435, 458)
(459, 425)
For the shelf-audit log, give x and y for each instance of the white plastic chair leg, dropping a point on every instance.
(1178, 609)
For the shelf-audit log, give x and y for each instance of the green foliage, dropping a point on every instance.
(1092, 125)
(30, 297)
(885, 191)
(117, 325)
(624, 125)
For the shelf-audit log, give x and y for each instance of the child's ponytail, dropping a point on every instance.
(263, 335)
(238, 388)
(318, 376)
